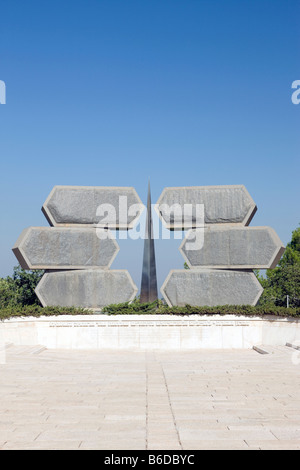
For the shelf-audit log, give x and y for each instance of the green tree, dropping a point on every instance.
(295, 242)
(8, 295)
(283, 282)
(19, 289)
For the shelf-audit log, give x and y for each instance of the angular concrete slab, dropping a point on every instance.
(65, 248)
(233, 247)
(89, 288)
(101, 206)
(211, 287)
(222, 204)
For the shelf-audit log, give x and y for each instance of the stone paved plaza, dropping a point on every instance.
(208, 399)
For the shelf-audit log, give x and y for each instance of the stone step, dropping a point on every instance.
(267, 349)
(5, 346)
(20, 350)
(294, 346)
(261, 349)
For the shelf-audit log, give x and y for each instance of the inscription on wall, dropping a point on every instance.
(143, 324)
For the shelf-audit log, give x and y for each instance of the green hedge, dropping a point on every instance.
(154, 308)
(38, 311)
(158, 308)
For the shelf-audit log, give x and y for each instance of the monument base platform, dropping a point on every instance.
(144, 332)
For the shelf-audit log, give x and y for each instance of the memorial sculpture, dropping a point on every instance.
(149, 281)
(78, 248)
(221, 269)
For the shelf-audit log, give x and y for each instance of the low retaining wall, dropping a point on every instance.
(142, 332)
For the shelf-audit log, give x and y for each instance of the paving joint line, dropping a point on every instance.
(274, 435)
(170, 405)
(246, 443)
(147, 397)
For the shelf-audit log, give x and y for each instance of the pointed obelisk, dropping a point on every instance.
(149, 281)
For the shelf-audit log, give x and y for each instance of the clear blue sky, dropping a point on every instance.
(113, 92)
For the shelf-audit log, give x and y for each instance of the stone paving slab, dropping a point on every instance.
(149, 400)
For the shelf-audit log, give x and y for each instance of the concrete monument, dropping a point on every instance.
(90, 288)
(65, 248)
(149, 280)
(233, 247)
(100, 206)
(220, 266)
(211, 287)
(78, 250)
(223, 204)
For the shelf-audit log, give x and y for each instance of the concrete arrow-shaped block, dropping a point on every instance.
(91, 288)
(233, 247)
(211, 287)
(65, 248)
(101, 206)
(221, 204)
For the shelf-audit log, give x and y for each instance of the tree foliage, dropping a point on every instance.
(282, 284)
(18, 290)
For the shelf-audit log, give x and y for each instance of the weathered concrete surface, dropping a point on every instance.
(132, 400)
(79, 205)
(211, 287)
(222, 204)
(233, 247)
(65, 248)
(91, 288)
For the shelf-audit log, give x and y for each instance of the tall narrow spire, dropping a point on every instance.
(149, 281)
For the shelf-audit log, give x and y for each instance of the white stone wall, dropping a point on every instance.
(163, 332)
